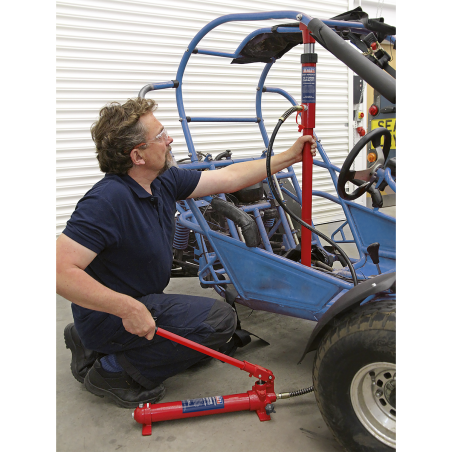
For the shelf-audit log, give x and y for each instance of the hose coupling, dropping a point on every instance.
(283, 395)
(288, 395)
(293, 109)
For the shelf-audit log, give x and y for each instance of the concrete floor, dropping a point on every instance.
(89, 423)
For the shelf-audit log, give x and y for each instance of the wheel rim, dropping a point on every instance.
(372, 393)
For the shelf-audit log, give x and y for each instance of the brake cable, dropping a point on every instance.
(280, 201)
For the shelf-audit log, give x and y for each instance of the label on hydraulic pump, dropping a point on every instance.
(204, 404)
(308, 84)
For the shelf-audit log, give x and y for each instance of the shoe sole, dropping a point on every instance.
(70, 344)
(99, 392)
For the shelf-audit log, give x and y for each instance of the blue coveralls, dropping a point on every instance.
(131, 231)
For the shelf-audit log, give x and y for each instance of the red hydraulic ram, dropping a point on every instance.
(308, 97)
(262, 394)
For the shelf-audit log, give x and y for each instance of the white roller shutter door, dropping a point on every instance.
(107, 50)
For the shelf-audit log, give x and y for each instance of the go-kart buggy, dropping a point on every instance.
(246, 247)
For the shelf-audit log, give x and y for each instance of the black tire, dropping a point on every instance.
(358, 407)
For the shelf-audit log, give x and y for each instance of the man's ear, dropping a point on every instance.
(136, 157)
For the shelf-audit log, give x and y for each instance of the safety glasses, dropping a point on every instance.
(160, 138)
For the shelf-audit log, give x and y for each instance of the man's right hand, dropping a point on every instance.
(140, 322)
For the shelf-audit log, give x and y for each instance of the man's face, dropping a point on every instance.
(157, 154)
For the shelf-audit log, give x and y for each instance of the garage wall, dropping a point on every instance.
(107, 50)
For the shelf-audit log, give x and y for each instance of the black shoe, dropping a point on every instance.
(82, 358)
(120, 387)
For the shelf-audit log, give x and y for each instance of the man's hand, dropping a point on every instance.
(77, 286)
(140, 322)
(296, 150)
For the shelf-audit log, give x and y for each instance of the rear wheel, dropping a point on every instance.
(355, 378)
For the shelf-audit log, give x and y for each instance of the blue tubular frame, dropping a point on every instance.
(191, 47)
(276, 284)
(341, 230)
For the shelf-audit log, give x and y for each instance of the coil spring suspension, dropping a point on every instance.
(269, 223)
(180, 241)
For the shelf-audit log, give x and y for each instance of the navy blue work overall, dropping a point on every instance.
(131, 232)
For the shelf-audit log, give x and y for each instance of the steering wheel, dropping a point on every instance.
(368, 175)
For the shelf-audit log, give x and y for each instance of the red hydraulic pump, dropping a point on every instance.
(258, 399)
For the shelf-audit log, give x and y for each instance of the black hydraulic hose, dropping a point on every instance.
(281, 203)
(302, 391)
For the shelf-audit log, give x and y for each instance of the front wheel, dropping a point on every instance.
(354, 378)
